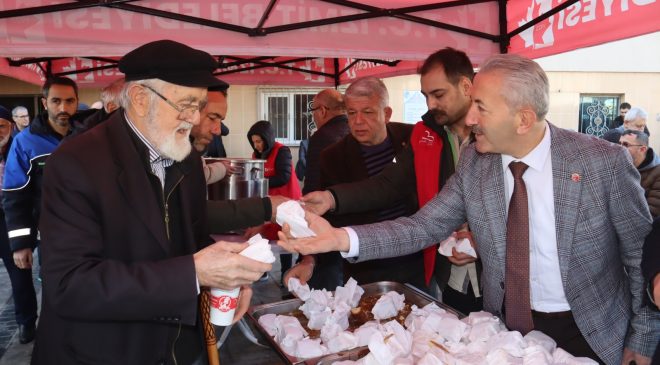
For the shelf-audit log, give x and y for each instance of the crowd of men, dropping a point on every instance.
(116, 203)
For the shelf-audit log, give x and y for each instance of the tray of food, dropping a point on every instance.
(358, 316)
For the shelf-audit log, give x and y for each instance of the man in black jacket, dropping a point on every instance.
(124, 226)
(446, 80)
(329, 115)
(366, 151)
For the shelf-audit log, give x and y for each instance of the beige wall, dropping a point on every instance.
(242, 113)
(9, 86)
(639, 89)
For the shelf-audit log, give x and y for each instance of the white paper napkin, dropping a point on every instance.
(292, 213)
(463, 246)
(259, 250)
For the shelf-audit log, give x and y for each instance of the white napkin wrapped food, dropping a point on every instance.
(463, 245)
(388, 305)
(259, 250)
(292, 213)
(301, 291)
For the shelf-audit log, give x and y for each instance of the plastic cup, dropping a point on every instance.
(223, 306)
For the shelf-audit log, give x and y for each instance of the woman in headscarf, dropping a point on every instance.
(278, 171)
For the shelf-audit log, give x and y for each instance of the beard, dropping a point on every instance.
(61, 119)
(167, 143)
(4, 140)
(440, 116)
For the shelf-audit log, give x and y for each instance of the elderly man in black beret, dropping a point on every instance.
(124, 217)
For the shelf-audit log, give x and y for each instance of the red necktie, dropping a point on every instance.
(516, 287)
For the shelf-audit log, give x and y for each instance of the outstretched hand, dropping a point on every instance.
(327, 237)
(318, 202)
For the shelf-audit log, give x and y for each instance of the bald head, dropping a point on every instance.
(328, 104)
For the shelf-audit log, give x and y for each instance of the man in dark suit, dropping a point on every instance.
(565, 259)
(329, 115)
(372, 145)
(125, 246)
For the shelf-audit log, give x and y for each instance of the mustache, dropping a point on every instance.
(62, 114)
(185, 125)
(476, 129)
(438, 113)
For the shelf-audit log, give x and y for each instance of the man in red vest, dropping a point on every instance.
(435, 143)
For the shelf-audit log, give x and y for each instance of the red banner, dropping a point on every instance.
(583, 24)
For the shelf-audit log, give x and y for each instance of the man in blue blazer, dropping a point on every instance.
(587, 219)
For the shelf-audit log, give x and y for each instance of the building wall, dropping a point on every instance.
(639, 89)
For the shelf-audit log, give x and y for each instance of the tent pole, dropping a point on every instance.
(335, 62)
(504, 38)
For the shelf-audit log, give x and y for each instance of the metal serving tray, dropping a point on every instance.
(412, 294)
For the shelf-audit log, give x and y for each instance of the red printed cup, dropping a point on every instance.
(223, 306)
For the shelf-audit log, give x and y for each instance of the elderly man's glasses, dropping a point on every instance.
(185, 111)
(21, 116)
(626, 144)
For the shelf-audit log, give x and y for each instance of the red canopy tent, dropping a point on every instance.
(302, 42)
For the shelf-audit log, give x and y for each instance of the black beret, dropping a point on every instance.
(171, 61)
(5, 114)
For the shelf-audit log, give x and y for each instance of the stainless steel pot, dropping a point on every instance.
(246, 182)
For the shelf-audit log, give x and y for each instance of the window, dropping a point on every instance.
(597, 113)
(288, 109)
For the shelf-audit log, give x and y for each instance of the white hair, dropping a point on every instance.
(369, 86)
(635, 113)
(525, 82)
(18, 109)
(156, 84)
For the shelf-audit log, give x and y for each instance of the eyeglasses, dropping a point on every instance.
(21, 116)
(313, 109)
(185, 111)
(626, 144)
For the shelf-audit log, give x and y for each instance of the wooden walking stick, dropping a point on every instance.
(209, 330)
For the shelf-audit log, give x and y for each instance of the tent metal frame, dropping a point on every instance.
(235, 62)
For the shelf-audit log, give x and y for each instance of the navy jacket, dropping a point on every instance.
(22, 181)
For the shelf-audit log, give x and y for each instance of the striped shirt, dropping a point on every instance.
(376, 158)
(157, 162)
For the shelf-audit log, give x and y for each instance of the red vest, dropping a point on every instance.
(290, 190)
(427, 147)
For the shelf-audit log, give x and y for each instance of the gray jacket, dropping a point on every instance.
(601, 222)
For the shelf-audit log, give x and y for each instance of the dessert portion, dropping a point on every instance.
(399, 333)
(259, 250)
(292, 213)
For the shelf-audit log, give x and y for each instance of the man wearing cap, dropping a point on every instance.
(124, 219)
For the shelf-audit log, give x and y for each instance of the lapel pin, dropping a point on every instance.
(575, 177)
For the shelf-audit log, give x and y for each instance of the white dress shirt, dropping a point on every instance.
(546, 289)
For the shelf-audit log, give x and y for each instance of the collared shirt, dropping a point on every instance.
(157, 162)
(546, 289)
(158, 165)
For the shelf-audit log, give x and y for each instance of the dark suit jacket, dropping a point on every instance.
(113, 290)
(331, 132)
(601, 220)
(342, 163)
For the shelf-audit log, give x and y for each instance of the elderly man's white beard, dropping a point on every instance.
(167, 144)
(4, 141)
